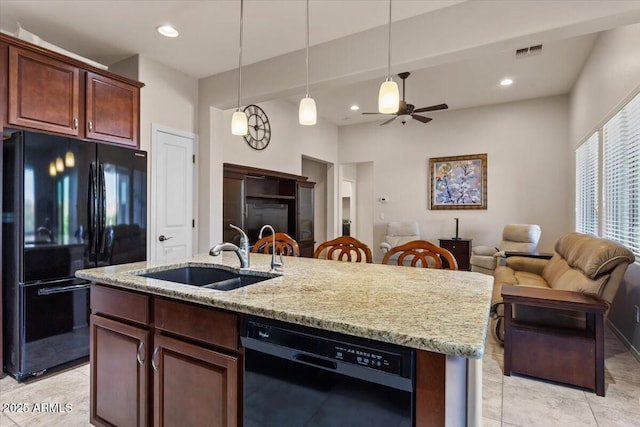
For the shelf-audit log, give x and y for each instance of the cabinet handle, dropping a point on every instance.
(154, 359)
(140, 354)
(75, 123)
(90, 126)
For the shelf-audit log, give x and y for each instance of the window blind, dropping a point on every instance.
(621, 177)
(587, 186)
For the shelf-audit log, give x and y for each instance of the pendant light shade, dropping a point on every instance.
(52, 169)
(239, 125)
(389, 95)
(307, 114)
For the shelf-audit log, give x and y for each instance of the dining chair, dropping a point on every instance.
(420, 253)
(285, 245)
(344, 248)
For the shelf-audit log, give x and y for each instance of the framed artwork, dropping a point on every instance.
(458, 182)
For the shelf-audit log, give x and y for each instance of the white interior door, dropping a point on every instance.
(173, 190)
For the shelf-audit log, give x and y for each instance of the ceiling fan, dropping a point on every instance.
(407, 111)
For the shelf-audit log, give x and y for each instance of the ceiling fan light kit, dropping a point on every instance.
(389, 95)
(239, 124)
(307, 113)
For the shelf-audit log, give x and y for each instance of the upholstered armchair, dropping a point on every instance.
(399, 233)
(515, 237)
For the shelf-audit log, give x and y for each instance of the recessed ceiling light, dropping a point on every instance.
(168, 31)
(506, 82)
(355, 107)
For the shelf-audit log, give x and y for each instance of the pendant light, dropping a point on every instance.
(239, 125)
(52, 169)
(389, 95)
(307, 114)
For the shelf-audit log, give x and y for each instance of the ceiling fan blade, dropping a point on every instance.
(374, 113)
(432, 108)
(421, 118)
(388, 121)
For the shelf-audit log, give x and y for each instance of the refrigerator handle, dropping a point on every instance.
(91, 210)
(102, 207)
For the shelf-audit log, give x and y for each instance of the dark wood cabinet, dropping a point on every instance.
(461, 250)
(119, 386)
(305, 217)
(54, 93)
(162, 362)
(44, 93)
(193, 386)
(111, 110)
(254, 197)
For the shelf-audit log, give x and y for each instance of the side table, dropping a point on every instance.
(461, 250)
(572, 356)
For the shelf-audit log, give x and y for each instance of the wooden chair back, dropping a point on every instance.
(418, 253)
(344, 248)
(285, 245)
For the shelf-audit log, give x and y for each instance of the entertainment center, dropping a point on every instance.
(253, 197)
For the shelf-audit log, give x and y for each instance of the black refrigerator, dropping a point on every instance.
(67, 204)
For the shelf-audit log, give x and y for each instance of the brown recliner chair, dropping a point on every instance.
(581, 263)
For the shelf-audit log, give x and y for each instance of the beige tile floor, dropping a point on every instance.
(507, 401)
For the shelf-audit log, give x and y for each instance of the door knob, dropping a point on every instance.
(162, 238)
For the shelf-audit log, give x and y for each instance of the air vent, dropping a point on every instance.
(528, 51)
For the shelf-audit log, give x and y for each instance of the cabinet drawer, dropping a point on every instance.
(121, 304)
(208, 325)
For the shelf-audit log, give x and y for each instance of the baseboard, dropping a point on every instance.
(634, 351)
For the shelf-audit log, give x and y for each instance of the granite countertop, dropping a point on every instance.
(436, 310)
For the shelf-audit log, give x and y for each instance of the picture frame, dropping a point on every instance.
(458, 182)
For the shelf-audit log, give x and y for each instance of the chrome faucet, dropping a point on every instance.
(242, 251)
(274, 264)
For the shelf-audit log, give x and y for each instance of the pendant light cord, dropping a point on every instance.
(389, 59)
(240, 54)
(307, 60)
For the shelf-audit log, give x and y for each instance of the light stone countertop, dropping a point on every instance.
(436, 310)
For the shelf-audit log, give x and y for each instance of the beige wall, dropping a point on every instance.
(169, 98)
(608, 80)
(529, 180)
(290, 142)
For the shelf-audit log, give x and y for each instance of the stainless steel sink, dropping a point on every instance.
(208, 277)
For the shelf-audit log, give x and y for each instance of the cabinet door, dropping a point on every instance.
(119, 360)
(305, 218)
(193, 386)
(233, 206)
(111, 110)
(43, 93)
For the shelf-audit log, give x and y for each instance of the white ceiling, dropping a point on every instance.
(110, 30)
(457, 51)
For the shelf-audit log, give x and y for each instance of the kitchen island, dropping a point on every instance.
(442, 314)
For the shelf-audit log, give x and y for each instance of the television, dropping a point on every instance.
(259, 214)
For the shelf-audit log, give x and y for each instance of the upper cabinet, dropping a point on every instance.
(50, 92)
(43, 93)
(111, 110)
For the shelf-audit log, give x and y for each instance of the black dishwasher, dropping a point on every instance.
(300, 376)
